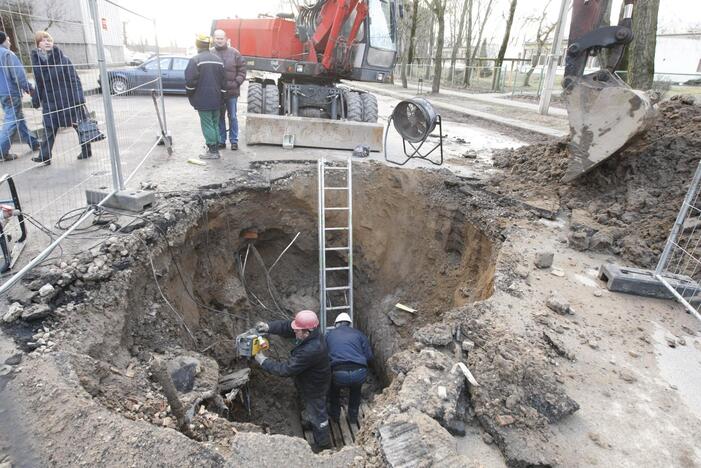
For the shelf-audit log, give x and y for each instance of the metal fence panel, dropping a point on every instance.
(55, 97)
(681, 258)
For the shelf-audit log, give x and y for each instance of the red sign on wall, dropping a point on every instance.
(104, 24)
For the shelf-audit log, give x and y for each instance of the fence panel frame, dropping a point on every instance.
(673, 248)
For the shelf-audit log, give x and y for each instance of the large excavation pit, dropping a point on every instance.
(189, 298)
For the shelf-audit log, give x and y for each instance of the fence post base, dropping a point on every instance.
(130, 200)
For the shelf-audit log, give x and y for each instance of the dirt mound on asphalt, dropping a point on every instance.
(626, 205)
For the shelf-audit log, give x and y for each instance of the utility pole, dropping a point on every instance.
(553, 58)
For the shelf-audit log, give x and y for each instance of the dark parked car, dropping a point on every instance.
(143, 79)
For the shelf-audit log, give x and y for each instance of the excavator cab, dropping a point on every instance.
(373, 56)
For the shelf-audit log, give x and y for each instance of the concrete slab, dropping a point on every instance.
(311, 132)
(130, 200)
(643, 282)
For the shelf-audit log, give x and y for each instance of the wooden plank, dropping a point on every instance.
(309, 435)
(336, 434)
(345, 429)
(354, 428)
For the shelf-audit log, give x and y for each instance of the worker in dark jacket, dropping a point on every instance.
(308, 364)
(235, 70)
(205, 84)
(349, 351)
(59, 92)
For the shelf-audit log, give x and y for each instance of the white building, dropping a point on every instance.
(70, 24)
(678, 57)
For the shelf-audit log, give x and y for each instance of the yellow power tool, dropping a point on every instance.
(250, 343)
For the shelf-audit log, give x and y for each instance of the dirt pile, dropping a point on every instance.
(626, 205)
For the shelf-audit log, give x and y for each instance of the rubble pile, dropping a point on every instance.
(626, 205)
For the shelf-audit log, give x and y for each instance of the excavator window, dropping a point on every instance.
(382, 28)
(348, 25)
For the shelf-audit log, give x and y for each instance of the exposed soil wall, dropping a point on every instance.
(191, 282)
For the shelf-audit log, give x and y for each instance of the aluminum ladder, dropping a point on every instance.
(336, 281)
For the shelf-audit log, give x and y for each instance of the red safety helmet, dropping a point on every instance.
(305, 320)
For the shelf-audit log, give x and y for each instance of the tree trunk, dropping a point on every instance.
(405, 84)
(504, 45)
(468, 43)
(412, 34)
(458, 41)
(641, 58)
(479, 34)
(439, 11)
(534, 63)
(431, 41)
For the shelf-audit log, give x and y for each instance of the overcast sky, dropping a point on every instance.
(180, 22)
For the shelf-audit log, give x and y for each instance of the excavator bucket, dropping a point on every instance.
(603, 115)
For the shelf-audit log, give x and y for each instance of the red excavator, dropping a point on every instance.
(312, 52)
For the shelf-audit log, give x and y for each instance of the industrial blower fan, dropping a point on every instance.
(414, 119)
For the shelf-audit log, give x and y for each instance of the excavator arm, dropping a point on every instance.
(604, 112)
(327, 20)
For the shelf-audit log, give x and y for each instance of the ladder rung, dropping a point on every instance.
(335, 168)
(337, 208)
(338, 288)
(336, 229)
(338, 308)
(336, 268)
(335, 188)
(336, 248)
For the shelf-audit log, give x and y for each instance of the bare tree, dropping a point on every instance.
(479, 39)
(19, 19)
(431, 43)
(412, 41)
(541, 39)
(458, 39)
(438, 9)
(468, 44)
(504, 45)
(641, 57)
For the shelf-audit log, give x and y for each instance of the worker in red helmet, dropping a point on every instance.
(308, 364)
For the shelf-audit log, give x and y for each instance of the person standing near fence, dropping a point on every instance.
(235, 70)
(205, 84)
(59, 92)
(13, 81)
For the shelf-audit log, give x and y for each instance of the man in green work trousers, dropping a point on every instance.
(205, 84)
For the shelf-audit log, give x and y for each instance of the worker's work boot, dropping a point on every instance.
(211, 153)
(322, 437)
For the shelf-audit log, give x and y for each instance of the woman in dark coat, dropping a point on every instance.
(59, 92)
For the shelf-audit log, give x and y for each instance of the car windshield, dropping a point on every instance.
(381, 24)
